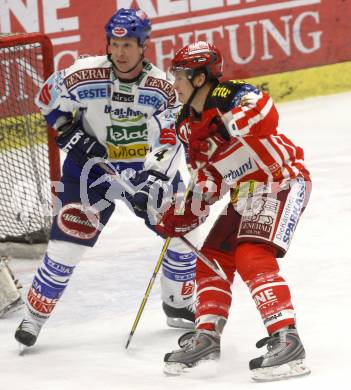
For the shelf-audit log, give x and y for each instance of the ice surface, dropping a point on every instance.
(82, 345)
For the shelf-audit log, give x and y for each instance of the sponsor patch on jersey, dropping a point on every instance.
(85, 75)
(152, 98)
(128, 152)
(78, 221)
(236, 165)
(259, 218)
(240, 171)
(124, 135)
(45, 96)
(119, 32)
(124, 113)
(122, 97)
(162, 85)
(93, 92)
(290, 214)
(221, 91)
(59, 81)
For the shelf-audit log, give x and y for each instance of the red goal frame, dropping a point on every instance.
(48, 69)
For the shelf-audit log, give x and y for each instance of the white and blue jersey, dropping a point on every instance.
(125, 116)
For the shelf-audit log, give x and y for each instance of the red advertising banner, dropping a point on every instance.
(257, 37)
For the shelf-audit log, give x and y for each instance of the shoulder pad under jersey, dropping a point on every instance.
(228, 94)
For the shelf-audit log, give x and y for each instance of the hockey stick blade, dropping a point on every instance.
(213, 265)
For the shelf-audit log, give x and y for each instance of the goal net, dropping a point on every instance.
(29, 159)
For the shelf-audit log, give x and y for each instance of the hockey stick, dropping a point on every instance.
(214, 266)
(147, 292)
(155, 272)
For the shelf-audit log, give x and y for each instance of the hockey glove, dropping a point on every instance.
(176, 225)
(168, 136)
(152, 193)
(79, 145)
(205, 137)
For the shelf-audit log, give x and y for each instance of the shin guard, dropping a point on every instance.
(272, 297)
(258, 267)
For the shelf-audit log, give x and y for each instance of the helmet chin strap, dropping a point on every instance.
(192, 96)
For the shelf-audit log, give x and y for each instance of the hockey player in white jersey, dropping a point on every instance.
(117, 107)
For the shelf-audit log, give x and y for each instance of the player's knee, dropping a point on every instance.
(226, 262)
(252, 259)
(65, 252)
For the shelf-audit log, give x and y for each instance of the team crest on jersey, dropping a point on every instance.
(119, 32)
(78, 221)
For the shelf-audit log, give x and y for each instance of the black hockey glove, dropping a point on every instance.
(79, 145)
(154, 189)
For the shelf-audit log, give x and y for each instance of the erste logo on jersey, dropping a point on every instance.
(45, 94)
(119, 32)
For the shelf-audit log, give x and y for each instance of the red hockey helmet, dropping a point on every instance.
(199, 56)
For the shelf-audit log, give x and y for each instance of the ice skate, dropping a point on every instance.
(183, 318)
(195, 348)
(284, 359)
(27, 332)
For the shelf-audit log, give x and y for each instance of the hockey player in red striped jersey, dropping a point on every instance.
(230, 131)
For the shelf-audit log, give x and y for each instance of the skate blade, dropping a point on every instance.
(180, 323)
(174, 369)
(202, 370)
(21, 349)
(289, 370)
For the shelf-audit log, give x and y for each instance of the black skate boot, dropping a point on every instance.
(183, 318)
(284, 359)
(27, 332)
(195, 347)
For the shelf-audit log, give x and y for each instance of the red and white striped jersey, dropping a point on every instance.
(255, 151)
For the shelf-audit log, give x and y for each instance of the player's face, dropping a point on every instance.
(183, 86)
(126, 53)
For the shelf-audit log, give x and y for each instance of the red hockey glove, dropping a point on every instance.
(173, 225)
(205, 137)
(168, 136)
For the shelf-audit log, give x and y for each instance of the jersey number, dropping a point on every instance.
(159, 155)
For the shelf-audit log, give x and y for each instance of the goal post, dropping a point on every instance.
(29, 157)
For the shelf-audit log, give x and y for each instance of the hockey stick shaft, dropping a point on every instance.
(148, 290)
(213, 265)
(154, 274)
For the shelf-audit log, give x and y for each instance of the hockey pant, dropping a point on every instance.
(240, 243)
(76, 227)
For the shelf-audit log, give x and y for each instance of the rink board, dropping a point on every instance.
(300, 84)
